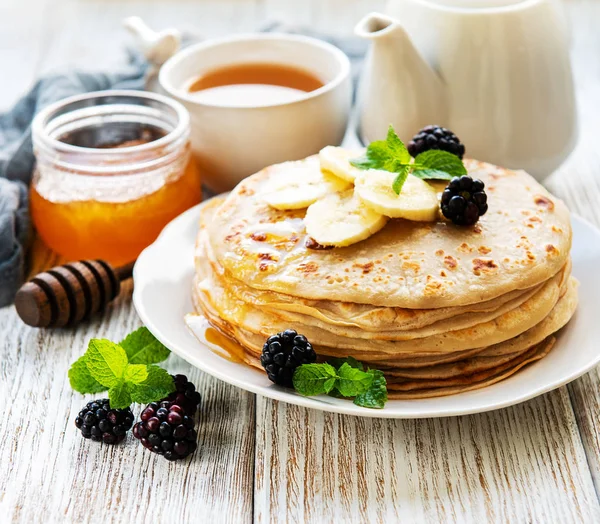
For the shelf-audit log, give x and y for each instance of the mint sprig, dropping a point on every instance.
(81, 379)
(376, 396)
(349, 380)
(142, 347)
(126, 370)
(314, 379)
(157, 385)
(391, 155)
(106, 361)
(352, 381)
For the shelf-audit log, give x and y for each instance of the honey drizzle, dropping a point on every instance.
(231, 350)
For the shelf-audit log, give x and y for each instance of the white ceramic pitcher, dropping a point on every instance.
(496, 72)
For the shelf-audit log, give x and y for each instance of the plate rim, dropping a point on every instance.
(317, 402)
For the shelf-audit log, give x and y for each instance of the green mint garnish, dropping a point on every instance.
(349, 380)
(124, 369)
(120, 395)
(391, 155)
(81, 380)
(142, 347)
(351, 361)
(157, 385)
(352, 381)
(435, 164)
(135, 373)
(376, 396)
(314, 379)
(106, 361)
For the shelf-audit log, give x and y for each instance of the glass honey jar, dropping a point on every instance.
(113, 168)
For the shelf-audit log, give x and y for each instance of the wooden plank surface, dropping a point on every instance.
(578, 183)
(521, 464)
(49, 473)
(259, 459)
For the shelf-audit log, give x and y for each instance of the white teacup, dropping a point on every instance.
(233, 142)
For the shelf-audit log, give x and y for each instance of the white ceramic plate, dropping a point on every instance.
(163, 278)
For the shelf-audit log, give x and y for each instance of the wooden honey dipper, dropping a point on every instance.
(65, 295)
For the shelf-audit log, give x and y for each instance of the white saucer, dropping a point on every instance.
(162, 297)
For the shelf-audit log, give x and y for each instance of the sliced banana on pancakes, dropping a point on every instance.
(300, 184)
(346, 204)
(342, 219)
(417, 201)
(336, 160)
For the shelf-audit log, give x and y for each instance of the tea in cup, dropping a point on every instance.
(259, 99)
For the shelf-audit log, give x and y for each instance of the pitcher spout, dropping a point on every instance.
(398, 85)
(389, 33)
(376, 25)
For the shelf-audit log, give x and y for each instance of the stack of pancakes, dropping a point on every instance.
(437, 307)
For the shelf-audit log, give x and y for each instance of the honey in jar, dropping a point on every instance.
(113, 168)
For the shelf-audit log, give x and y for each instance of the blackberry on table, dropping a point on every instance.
(97, 421)
(283, 353)
(435, 137)
(464, 200)
(185, 395)
(166, 429)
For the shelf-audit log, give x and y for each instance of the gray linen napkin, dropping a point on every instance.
(17, 160)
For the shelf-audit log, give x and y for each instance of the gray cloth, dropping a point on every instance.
(17, 160)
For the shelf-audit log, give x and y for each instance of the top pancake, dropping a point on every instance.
(522, 241)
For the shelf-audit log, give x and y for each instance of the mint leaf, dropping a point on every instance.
(362, 162)
(142, 347)
(314, 379)
(106, 361)
(157, 385)
(376, 396)
(135, 373)
(400, 179)
(81, 380)
(397, 146)
(351, 361)
(378, 156)
(368, 387)
(352, 381)
(435, 161)
(389, 154)
(119, 395)
(431, 174)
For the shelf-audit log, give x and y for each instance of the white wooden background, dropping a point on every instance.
(260, 460)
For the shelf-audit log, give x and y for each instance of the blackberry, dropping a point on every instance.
(464, 200)
(103, 424)
(283, 353)
(436, 137)
(167, 430)
(185, 395)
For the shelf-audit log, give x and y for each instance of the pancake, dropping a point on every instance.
(361, 318)
(507, 325)
(438, 308)
(456, 323)
(523, 239)
(537, 353)
(558, 317)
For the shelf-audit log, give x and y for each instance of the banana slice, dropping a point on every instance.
(336, 160)
(342, 219)
(417, 201)
(296, 185)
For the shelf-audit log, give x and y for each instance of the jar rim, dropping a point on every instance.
(45, 116)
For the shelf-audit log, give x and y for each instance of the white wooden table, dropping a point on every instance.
(260, 460)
